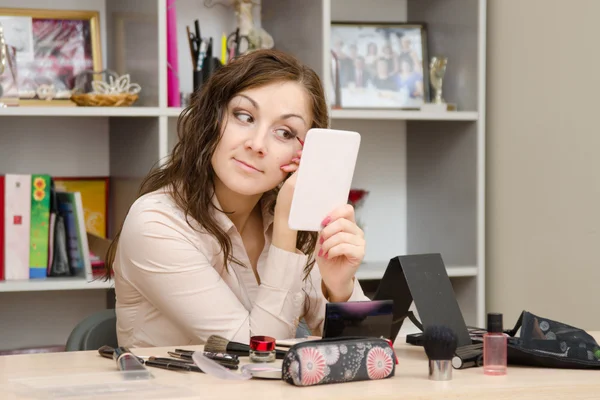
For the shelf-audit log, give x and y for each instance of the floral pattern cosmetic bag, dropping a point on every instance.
(338, 360)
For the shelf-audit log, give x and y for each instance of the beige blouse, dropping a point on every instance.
(172, 288)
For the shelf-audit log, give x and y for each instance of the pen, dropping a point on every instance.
(200, 56)
(197, 28)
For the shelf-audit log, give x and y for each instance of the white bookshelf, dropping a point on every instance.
(404, 115)
(53, 284)
(82, 112)
(425, 171)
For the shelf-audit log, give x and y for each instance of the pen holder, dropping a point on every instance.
(209, 66)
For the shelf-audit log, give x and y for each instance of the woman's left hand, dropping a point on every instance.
(341, 249)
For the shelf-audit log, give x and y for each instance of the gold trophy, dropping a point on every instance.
(437, 70)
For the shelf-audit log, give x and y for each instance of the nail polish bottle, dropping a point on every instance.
(494, 346)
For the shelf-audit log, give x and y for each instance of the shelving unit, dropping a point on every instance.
(53, 284)
(425, 171)
(81, 112)
(404, 115)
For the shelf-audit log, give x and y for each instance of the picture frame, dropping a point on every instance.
(379, 65)
(95, 193)
(52, 47)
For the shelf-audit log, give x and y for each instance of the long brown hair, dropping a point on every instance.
(188, 172)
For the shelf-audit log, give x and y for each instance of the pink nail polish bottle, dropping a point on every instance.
(494, 346)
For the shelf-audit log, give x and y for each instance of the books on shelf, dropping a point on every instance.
(43, 231)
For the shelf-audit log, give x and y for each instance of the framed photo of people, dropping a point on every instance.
(379, 65)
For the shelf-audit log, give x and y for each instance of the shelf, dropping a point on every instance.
(375, 270)
(49, 284)
(173, 111)
(367, 271)
(382, 115)
(53, 111)
(405, 115)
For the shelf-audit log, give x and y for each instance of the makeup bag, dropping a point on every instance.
(338, 360)
(551, 344)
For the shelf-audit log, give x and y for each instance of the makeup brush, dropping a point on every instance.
(440, 343)
(218, 344)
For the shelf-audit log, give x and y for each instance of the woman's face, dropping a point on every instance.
(260, 134)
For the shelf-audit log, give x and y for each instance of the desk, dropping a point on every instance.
(410, 381)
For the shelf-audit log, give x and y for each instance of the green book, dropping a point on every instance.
(40, 224)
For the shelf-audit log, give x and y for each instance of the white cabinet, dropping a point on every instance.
(425, 171)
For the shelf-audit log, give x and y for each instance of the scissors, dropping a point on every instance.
(234, 41)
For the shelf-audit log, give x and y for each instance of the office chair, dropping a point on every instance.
(93, 332)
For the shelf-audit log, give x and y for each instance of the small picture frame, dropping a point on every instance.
(52, 47)
(379, 65)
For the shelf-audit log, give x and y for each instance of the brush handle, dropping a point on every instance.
(280, 354)
(243, 350)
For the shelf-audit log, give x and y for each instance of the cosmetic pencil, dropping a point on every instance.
(220, 357)
(440, 344)
(188, 358)
(172, 365)
(192, 366)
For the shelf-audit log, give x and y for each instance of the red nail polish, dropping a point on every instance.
(326, 221)
(326, 255)
(393, 351)
(321, 253)
(321, 240)
(295, 159)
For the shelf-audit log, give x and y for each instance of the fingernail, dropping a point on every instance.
(321, 253)
(326, 221)
(295, 159)
(321, 240)
(326, 255)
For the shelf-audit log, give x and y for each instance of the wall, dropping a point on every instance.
(543, 188)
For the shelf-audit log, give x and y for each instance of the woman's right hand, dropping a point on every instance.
(284, 237)
(286, 193)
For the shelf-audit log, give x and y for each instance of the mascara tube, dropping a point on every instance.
(468, 357)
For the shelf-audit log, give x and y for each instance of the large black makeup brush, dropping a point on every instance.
(440, 344)
(218, 344)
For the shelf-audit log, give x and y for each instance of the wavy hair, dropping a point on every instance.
(189, 171)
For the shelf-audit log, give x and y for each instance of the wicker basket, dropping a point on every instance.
(104, 100)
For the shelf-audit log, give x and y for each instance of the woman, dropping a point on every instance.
(206, 248)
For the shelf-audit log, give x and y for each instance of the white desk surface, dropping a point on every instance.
(409, 382)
